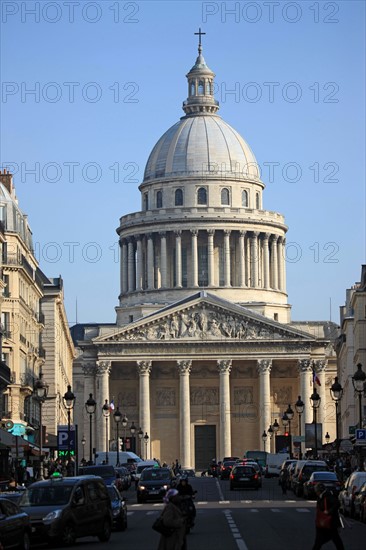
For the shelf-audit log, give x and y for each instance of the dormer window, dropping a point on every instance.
(225, 197)
(202, 196)
(159, 199)
(178, 197)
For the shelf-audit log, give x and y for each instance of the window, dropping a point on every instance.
(208, 88)
(202, 266)
(225, 197)
(146, 201)
(179, 197)
(257, 205)
(159, 199)
(201, 196)
(130, 317)
(244, 199)
(201, 87)
(192, 88)
(275, 316)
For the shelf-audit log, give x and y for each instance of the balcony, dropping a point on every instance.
(27, 379)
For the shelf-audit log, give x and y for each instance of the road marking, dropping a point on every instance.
(275, 510)
(151, 513)
(221, 496)
(235, 531)
(303, 510)
(253, 510)
(224, 501)
(246, 501)
(290, 501)
(203, 502)
(159, 504)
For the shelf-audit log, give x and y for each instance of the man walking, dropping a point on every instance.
(327, 520)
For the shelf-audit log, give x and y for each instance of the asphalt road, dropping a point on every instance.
(232, 520)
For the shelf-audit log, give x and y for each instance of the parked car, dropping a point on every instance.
(296, 472)
(349, 492)
(360, 503)
(329, 479)
(291, 469)
(15, 529)
(14, 496)
(245, 476)
(154, 483)
(305, 472)
(123, 478)
(226, 468)
(119, 508)
(105, 471)
(64, 509)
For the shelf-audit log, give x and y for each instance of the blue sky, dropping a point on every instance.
(109, 80)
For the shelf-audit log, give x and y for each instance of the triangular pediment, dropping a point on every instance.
(203, 317)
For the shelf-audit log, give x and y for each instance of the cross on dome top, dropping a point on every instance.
(199, 33)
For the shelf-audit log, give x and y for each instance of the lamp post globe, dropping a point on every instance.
(106, 412)
(315, 403)
(90, 406)
(69, 401)
(146, 439)
(300, 406)
(264, 439)
(117, 418)
(336, 393)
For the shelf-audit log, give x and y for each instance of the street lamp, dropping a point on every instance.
(106, 412)
(327, 438)
(90, 406)
(132, 432)
(264, 439)
(275, 427)
(124, 425)
(117, 418)
(69, 402)
(290, 415)
(83, 441)
(299, 406)
(336, 393)
(41, 390)
(315, 403)
(146, 439)
(358, 380)
(140, 434)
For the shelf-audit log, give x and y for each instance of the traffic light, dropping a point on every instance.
(286, 434)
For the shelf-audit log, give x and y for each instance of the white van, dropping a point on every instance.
(124, 457)
(274, 463)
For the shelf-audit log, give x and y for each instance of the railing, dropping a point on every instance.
(27, 379)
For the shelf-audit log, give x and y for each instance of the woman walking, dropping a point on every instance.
(173, 518)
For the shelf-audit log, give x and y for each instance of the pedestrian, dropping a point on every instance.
(327, 520)
(173, 517)
(284, 480)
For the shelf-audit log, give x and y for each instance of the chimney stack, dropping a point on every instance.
(7, 180)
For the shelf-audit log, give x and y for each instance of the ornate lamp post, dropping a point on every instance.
(358, 380)
(146, 439)
(124, 425)
(275, 427)
(286, 423)
(327, 438)
(299, 406)
(336, 392)
(69, 402)
(270, 433)
(41, 390)
(83, 441)
(264, 439)
(140, 434)
(117, 418)
(132, 432)
(290, 415)
(106, 412)
(90, 406)
(315, 403)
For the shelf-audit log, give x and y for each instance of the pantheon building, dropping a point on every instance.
(203, 356)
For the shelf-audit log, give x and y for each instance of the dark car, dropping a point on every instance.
(154, 483)
(14, 496)
(244, 476)
(329, 479)
(305, 472)
(119, 508)
(64, 509)
(360, 503)
(123, 478)
(226, 468)
(15, 527)
(105, 471)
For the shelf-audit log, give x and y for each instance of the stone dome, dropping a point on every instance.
(201, 144)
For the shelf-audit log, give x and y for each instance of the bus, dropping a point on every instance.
(257, 456)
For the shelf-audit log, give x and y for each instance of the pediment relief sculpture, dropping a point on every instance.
(197, 323)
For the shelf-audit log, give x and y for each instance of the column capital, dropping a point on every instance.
(227, 232)
(266, 236)
(304, 365)
(138, 238)
(89, 369)
(184, 366)
(255, 234)
(194, 232)
(320, 364)
(224, 366)
(275, 238)
(178, 233)
(281, 239)
(130, 240)
(162, 234)
(149, 236)
(103, 367)
(264, 366)
(211, 232)
(144, 367)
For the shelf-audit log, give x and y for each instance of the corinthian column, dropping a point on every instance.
(103, 372)
(178, 258)
(266, 277)
(241, 259)
(264, 368)
(124, 268)
(210, 249)
(274, 261)
(163, 259)
(227, 257)
(89, 370)
(144, 370)
(320, 367)
(254, 258)
(194, 233)
(131, 266)
(139, 263)
(224, 367)
(306, 389)
(280, 263)
(184, 369)
(150, 262)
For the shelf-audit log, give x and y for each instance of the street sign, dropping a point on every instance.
(63, 440)
(351, 430)
(361, 437)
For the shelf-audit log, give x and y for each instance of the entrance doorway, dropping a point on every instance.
(205, 446)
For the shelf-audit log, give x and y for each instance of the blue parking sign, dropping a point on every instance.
(63, 438)
(360, 437)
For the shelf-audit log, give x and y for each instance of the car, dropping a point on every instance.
(142, 466)
(64, 509)
(329, 479)
(360, 503)
(105, 471)
(123, 478)
(243, 475)
(15, 529)
(187, 472)
(154, 483)
(305, 472)
(226, 468)
(291, 469)
(349, 492)
(14, 496)
(299, 464)
(119, 508)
